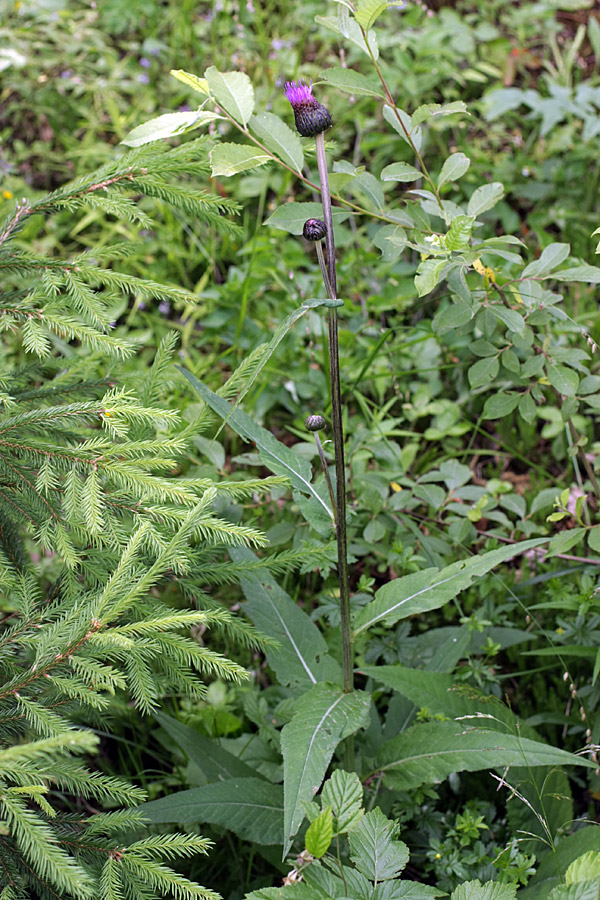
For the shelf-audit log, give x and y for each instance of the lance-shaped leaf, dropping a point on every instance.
(454, 167)
(431, 588)
(250, 807)
(427, 753)
(351, 81)
(324, 716)
(279, 138)
(216, 763)
(300, 656)
(167, 126)
(229, 159)
(440, 694)
(280, 459)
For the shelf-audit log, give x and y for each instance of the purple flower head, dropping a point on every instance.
(310, 115)
(145, 62)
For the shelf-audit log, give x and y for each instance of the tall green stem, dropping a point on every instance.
(338, 428)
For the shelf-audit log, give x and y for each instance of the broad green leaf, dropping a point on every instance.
(292, 216)
(454, 168)
(483, 371)
(343, 792)
(553, 255)
(485, 197)
(513, 320)
(300, 656)
(233, 91)
(527, 408)
(368, 11)
(589, 274)
(406, 890)
(452, 316)
(580, 890)
(216, 763)
(500, 405)
(432, 494)
(250, 807)
(351, 81)
(565, 541)
(197, 84)
(428, 275)
(431, 110)
(391, 116)
(593, 538)
(475, 890)
(428, 753)
(584, 868)
(431, 588)
(319, 834)
(510, 361)
(373, 849)
(438, 692)
(459, 235)
(368, 185)
(279, 138)
(297, 891)
(229, 159)
(324, 716)
(593, 33)
(348, 28)
(167, 126)
(278, 457)
(564, 379)
(400, 172)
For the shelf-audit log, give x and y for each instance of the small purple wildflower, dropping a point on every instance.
(164, 307)
(311, 116)
(144, 78)
(145, 62)
(66, 73)
(278, 44)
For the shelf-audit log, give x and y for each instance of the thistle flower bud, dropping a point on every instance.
(311, 116)
(314, 230)
(315, 423)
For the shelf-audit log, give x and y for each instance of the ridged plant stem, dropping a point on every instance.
(326, 474)
(338, 428)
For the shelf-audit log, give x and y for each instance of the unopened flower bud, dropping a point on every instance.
(311, 116)
(314, 230)
(315, 423)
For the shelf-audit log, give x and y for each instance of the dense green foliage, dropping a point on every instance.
(172, 688)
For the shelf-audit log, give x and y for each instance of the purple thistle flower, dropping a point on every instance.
(311, 116)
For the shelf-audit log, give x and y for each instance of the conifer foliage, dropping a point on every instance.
(93, 525)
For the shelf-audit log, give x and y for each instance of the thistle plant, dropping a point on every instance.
(312, 120)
